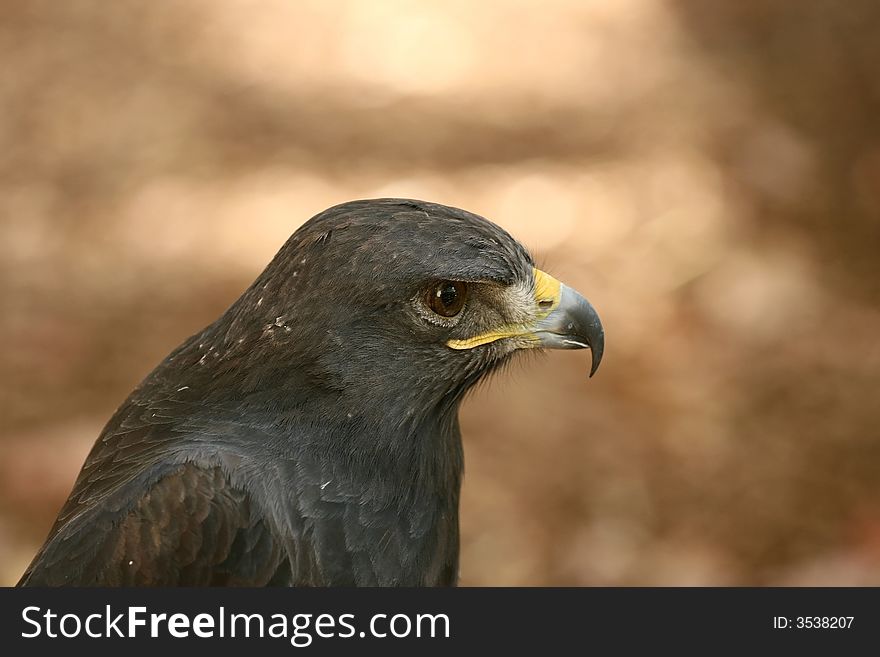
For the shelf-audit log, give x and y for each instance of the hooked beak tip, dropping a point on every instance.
(596, 351)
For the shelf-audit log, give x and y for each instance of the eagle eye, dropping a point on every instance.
(447, 298)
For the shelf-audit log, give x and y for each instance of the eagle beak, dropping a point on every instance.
(571, 323)
(563, 320)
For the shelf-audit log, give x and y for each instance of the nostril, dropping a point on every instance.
(544, 304)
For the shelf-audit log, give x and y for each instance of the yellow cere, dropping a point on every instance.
(547, 291)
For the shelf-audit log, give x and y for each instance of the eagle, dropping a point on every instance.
(310, 435)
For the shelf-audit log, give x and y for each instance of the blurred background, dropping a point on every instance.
(706, 172)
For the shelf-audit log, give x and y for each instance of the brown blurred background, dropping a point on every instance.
(706, 172)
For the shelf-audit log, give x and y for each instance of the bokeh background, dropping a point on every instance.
(707, 172)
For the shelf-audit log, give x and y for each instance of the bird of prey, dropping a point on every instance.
(310, 435)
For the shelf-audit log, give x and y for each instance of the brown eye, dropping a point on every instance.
(447, 298)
